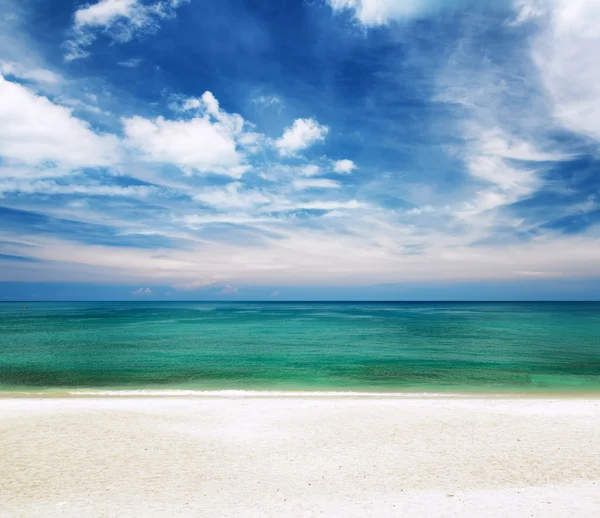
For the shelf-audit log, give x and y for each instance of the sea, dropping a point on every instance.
(171, 348)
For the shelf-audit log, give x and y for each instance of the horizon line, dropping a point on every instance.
(333, 301)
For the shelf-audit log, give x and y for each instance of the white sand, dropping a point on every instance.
(299, 457)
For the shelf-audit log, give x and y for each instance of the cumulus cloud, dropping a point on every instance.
(344, 166)
(142, 291)
(300, 135)
(206, 143)
(196, 145)
(33, 130)
(119, 19)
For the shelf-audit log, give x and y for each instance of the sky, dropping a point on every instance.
(299, 149)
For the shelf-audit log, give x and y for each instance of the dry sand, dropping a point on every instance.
(299, 457)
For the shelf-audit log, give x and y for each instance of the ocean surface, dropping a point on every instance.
(358, 347)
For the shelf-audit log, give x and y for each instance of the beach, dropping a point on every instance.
(300, 456)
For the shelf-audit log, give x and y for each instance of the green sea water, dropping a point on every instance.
(365, 347)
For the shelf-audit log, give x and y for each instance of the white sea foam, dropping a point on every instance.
(260, 393)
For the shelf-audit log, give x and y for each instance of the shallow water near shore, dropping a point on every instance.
(312, 347)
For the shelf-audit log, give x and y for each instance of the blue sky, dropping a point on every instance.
(300, 149)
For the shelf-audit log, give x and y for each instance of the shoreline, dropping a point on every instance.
(289, 394)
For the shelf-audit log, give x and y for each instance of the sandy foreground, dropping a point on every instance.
(299, 457)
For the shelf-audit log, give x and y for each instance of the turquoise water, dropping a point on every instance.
(424, 347)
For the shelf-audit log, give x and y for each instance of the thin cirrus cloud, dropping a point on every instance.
(377, 12)
(120, 20)
(315, 183)
(38, 75)
(564, 53)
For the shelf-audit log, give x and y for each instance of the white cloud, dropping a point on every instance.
(377, 12)
(37, 75)
(308, 170)
(142, 291)
(507, 154)
(195, 284)
(105, 12)
(494, 169)
(78, 104)
(130, 63)
(344, 166)
(330, 205)
(302, 134)
(195, 145)
(494, 141)
(426, 209)
(528, 10)
(34, 130)
(119, 19)
(315, 183)
(208, 105)
(487, 157)
(206, 143)
(268, 101)
(51, 187)
(232, 196)
(565, 53)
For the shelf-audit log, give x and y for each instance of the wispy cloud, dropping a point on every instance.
(268, 101)
(315, 183)
(38, 75)
(458, 154)
(196, 284)
(563, 50)
(130, 63)
(377, 12)
(120, 20)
